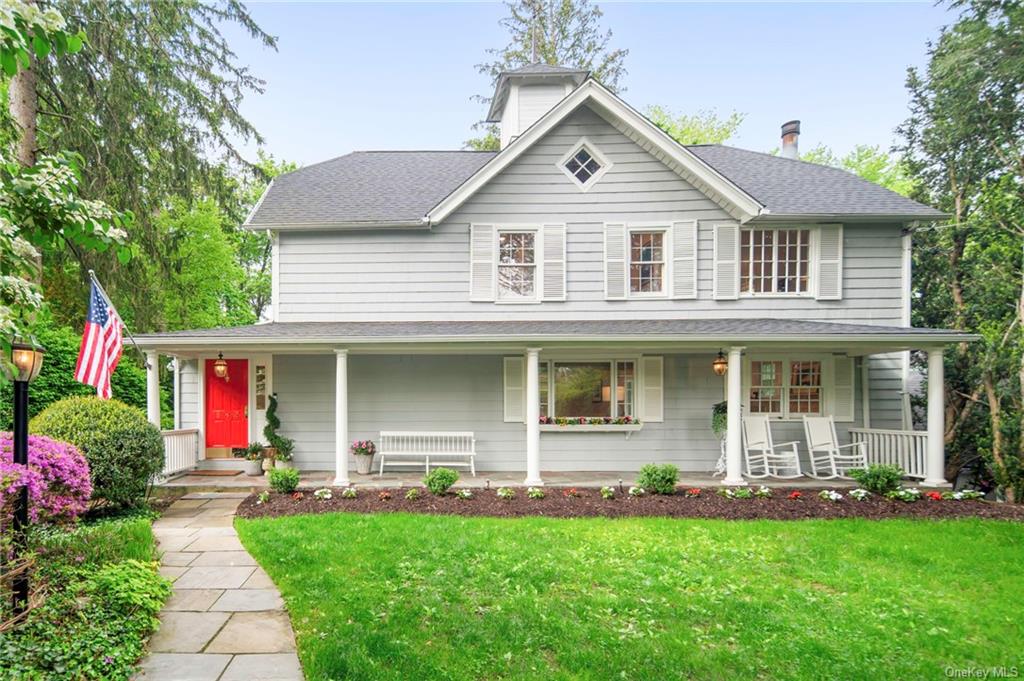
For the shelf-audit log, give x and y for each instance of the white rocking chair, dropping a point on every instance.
(763, 457)
(827, 454)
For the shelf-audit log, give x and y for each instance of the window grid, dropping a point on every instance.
(766, 387)
(805, 387)
(774, 261)
(786, 388)
(517, 267)
(646, 262)
(582, 165)
(621, 401)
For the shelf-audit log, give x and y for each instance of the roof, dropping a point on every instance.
(530, 72)
(714, 330)
(366, 187)
(543, 70)
(791, 187)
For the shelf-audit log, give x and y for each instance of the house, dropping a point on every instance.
(593, 267)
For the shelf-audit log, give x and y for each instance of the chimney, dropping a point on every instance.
(790, 137)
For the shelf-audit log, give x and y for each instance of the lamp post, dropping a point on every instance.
(26, 361)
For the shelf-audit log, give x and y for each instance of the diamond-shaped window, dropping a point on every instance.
(582, 165)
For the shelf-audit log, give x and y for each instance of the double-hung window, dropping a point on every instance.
(786, 388)
(646, 262)
(517, 265)
(588, 389)
(775, 261)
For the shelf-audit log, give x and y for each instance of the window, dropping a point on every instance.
(646, 262)
(787, 388)
(774, 261)
(261, 386)
(517, 266)
(585, 389)
(582, 165)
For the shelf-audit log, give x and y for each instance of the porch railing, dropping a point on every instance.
(181, 450)
(904, 448)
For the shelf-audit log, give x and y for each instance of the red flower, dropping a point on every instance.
(571, 493)
(297, 495)
(795, 495)
(384, 496)
(693, 492)
(935, 496)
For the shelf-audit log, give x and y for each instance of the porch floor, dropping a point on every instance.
(493, 478)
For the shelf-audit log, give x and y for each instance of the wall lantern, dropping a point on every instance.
(720, 364)
(27, 360)
(220, 367)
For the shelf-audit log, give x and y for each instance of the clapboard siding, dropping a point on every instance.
(189, 383)
(402, 392)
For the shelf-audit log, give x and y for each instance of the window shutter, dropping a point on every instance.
(515, 384)
(554, 262)
(684, 259)
(653, 408)
(615, 260)
(481, 262)
(727, 267)
(830, 262)
(842, 389)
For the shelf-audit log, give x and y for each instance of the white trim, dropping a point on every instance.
(820, 262)
(605, 259)
(906, 290)
(593, 92)
(603, 161)
(538, 263)
(828, 383)
(813, 232)
(275, 275)
(666, 258)
(718, 261)
(865, 390)
(407, 225)
(688, 289)
(613, 360)
(176, 367)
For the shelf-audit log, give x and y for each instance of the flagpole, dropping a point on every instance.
(92, 276)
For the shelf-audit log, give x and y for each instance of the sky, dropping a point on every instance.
(361, 76)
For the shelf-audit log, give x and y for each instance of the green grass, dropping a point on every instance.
(394, 596)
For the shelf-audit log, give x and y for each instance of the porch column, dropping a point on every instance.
(734, 433)
(341, 419)
(533, 417)
(935, 463)
(153, 388)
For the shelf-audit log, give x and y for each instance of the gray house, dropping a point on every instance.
(577, 301)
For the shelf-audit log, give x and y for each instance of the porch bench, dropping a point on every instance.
(456, 449)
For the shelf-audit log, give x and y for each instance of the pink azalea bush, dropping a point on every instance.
(57, 478)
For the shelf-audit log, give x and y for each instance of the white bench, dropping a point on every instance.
(454, 449)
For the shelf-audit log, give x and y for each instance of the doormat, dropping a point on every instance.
(216, 473)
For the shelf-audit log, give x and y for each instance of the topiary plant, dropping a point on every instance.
(283, 446)
(440, 480)
(57, 478)
(658, 479)
(125, 451)
(880, 478)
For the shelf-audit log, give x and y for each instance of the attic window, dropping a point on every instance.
(584, 164)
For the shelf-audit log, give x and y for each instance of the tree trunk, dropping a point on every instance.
(995, 415)
(24, 108)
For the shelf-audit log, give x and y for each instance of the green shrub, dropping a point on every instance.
(658, 479)
(878, 478)
(440, 480)
(125, 452)
(283, 480)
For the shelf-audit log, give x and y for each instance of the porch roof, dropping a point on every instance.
(690, 331)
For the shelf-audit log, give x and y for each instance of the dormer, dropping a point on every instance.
(523, 95)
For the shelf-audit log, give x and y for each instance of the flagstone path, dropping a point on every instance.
(225, 620)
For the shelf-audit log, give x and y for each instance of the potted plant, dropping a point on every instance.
(280, 450)
(364, 450)
(284, 452)
(253, 459)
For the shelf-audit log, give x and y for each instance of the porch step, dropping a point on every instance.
(220, 465)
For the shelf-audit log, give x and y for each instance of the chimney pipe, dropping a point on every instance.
(790, 137)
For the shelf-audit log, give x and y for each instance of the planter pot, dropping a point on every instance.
(267, 464)
(364, 464)
(252, 467)
(282, 464)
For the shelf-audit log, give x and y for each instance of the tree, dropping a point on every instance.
(869, 162)
(558, 32)
(704, 127)
(964, 144)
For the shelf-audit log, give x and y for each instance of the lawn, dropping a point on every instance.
(399, 596)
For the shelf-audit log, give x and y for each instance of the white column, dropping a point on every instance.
(177, 393)
(935, 464)
(533, 417)
(153, 388)
(341, 418)
(734, 433)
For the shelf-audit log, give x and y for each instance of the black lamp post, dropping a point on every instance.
(26, 361)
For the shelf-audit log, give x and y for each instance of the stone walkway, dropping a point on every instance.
(225, 620)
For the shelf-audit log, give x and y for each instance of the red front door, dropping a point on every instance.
(227, 405)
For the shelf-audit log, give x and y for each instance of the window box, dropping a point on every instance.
(627, 428)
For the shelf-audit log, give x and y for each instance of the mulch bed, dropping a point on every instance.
(590, 504)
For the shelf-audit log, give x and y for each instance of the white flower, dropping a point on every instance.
(323, 494)
(637, 491)
(860, 494)
(830, 495)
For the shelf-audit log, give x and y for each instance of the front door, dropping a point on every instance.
(227, 406)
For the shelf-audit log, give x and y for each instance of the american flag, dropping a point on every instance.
(101, 344)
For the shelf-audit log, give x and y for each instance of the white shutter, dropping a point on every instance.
(830, 262)
(554, 262)
(653, 377)
(615, 260)
(481, 262)
(684, 259)
(842, 402)
(727, 266)
(515, 385)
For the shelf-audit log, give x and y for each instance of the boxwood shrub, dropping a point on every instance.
(878, 478)
(440, 480)
(125, 452)
(283, 480)
(658, 479)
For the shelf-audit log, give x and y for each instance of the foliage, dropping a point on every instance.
(125, 452)
(363, 448)
(535, 493)
(872, 163)
(440, 480)
(263, 497)
(907, 494)
(56, 380)
(878, 478)
(413, 494)
(703, 127)
(283, 480)
(859, 494)
(348, 493)
(506, 493)
(607, 493)
(254, 452)
(763, 492)
(464, 493)
(637, 491)
(736, 492)
(830, 495)
(283, 445)
(558, 32)
(57, 479)
(658, 479)
(720, 418)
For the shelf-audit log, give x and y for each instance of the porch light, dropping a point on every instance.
(720, 364)
(27, 360)
(220, 367)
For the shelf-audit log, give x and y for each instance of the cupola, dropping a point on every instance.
(523, 95)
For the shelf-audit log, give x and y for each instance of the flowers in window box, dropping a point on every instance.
(363, 448)
(637, 492)
(571, 493)
(830, 495)
(323, 494)
(859, 494)
(384, 495)
(506, 493)
(693, 492)
(464, 493)
(535, 493)
(546, 420)
(588, 421)
(413, 494)
(795, 495)
(905, 494)
(934, 496)
(607, 493)
(348, 493)
(763, 492)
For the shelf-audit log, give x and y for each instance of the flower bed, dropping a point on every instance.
(578, 502)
